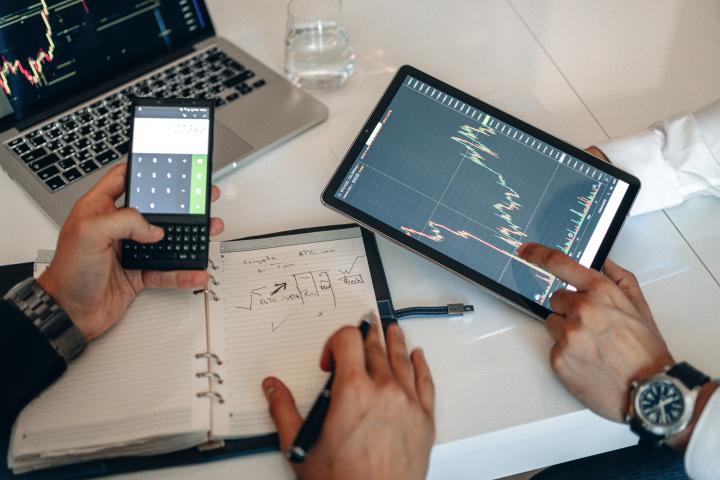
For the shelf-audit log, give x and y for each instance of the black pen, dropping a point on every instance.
(312, 426)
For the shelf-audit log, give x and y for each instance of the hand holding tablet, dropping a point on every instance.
(465, 184)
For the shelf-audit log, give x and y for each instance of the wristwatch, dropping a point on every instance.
(662, 405)
(47, 316)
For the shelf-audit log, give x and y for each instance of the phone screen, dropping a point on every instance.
(170, 163)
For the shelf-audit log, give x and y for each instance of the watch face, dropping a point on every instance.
(661, 403)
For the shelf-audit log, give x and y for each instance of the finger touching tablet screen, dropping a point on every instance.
(465, 184)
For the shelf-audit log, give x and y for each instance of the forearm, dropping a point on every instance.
(28, 363)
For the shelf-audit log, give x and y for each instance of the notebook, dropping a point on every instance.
(182, 370)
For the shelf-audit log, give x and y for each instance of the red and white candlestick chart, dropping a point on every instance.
(507, 231)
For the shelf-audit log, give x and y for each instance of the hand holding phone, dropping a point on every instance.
(169, 181)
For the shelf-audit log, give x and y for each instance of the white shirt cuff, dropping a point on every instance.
(674, 159)
(702, 456)
(640, 154)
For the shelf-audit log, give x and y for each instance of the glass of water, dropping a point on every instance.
(318, 53)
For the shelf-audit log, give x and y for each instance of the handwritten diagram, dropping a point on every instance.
(286, 284)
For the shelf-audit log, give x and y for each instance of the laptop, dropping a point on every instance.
(69, 67)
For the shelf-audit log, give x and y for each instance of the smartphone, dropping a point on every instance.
(169, 181)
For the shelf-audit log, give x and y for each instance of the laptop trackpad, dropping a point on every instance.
(227, 147)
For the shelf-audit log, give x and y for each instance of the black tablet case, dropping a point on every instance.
(12, 274)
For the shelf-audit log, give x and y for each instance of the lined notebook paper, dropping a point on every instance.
(136, 382)
(140, 390)
(280, 299)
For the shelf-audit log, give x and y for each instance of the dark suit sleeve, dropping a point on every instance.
(28, 363)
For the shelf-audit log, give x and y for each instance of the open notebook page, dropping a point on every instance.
(280, 300)
(135, 383)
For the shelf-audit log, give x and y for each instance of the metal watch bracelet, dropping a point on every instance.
(47, 316)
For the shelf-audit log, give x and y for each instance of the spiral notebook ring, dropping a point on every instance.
(213, 265)
(213, 280)
(211, 375)
(209, 355)
(207, 290)
(210, 394)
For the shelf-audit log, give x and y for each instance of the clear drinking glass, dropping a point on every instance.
(318, 53)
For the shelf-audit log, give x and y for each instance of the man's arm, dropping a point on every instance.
(28, 363)
(85, 280)
(606, 338)
(675, 159)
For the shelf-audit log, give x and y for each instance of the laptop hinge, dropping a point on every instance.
(117, 80)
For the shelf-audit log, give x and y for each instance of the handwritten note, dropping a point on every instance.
(278, 305)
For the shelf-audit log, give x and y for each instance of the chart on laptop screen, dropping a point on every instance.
(50, 46)
(474, 188)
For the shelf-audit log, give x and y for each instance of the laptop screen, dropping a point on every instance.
(51, 50)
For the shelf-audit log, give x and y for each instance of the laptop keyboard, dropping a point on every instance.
(91, 137)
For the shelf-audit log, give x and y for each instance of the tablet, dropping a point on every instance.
(465, 184)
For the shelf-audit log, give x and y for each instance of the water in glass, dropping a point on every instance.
(318, 54)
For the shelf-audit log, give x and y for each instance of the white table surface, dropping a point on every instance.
(500, 410)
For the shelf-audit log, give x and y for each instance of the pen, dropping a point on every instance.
(312, 426)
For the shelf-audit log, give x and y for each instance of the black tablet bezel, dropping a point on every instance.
(329, 199)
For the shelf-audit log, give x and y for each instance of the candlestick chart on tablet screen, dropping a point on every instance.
(475, 188)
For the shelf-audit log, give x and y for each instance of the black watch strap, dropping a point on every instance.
(688, 374)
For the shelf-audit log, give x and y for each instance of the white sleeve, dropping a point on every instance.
(674, 159)
(702, 456)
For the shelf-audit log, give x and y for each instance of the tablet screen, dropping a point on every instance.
(474, 188)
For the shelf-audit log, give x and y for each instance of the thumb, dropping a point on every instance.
(112, 184)
(282, 410)
(125, 224)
